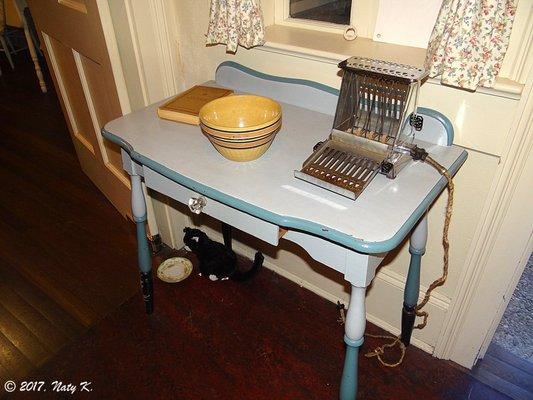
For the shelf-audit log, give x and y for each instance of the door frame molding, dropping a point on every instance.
(154, 39)
(149, 22)
(486, 286)
(114, 55)
(160, 34)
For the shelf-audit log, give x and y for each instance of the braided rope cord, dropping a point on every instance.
(380, 350)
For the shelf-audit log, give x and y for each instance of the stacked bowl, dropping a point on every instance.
(241, 127)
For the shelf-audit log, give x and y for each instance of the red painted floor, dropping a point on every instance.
(263, 339)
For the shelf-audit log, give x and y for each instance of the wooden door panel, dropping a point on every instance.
(62, 61)
(64, 66)
(76, 5)
(105, 109)
(76, 51)
(75, 29)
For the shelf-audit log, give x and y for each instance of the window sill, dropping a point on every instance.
(332, 48)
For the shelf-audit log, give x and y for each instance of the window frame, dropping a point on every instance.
(282, 17)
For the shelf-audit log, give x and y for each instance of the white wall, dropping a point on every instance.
(481, 120)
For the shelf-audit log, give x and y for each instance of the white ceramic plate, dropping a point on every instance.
(174, 269)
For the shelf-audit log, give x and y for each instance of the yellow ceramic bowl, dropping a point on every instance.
(243, 155)
(243, 150)
(240, 113)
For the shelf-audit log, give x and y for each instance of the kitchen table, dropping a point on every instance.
(264, 199)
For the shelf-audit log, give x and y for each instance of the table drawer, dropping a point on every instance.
(245, 222)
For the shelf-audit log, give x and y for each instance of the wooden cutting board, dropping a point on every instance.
(186, 106)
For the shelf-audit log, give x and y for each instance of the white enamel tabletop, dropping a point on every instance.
(268, 183)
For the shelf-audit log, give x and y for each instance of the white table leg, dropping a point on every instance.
(354, 336)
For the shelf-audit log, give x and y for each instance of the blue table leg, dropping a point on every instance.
(354, 335)
(417, 248)
(138, 206)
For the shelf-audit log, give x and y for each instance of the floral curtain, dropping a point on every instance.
(469, 41)
(236, 22)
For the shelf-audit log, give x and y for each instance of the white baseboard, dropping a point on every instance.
(398, 281)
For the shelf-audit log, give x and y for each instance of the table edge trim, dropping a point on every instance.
(332, 235)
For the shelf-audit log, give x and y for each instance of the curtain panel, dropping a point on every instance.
(469, 41)
(236, 23)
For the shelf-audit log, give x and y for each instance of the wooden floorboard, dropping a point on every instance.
(512, 375)
(61, 319)
(5, 374)
(506, 373)
(38, 267)
(48, 334)
(22, 338)
(506, 356)
(496, 382)
(16, 364)
(66, 255)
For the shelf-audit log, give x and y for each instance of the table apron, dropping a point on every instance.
(259, 228)
(358, 268)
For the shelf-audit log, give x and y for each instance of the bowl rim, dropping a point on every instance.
(239, 129)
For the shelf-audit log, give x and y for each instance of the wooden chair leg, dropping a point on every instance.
(6, 50)
(35, 60)
(10, 45)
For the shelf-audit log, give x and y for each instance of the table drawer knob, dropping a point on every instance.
(197, 204)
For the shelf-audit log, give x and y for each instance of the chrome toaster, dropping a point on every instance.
(374, 127)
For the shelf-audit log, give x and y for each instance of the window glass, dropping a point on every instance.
(334, 11)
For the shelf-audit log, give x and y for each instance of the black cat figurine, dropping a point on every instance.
(216, 260)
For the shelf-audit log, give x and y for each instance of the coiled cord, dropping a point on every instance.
(421, 154)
